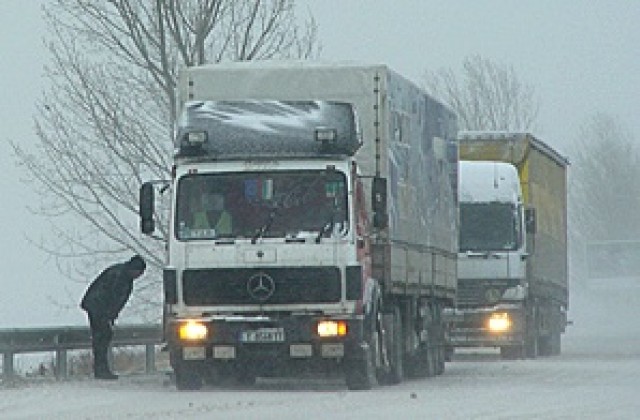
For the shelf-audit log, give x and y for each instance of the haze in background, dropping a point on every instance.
(580, 56)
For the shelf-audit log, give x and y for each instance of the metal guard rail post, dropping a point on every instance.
(62, 339)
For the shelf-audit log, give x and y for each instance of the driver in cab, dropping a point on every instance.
(211, 214)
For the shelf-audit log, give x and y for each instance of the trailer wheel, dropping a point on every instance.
(360, 374)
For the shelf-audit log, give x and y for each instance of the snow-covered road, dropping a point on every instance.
(597, 376)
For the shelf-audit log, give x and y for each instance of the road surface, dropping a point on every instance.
(597, 376)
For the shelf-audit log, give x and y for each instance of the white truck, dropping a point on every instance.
(313, 224)
(512, 265)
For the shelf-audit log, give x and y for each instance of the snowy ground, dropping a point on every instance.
(597, 376)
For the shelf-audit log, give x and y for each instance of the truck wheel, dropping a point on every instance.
(556, 343)
(395, 347)
(544, 345)
(448, 353)
(531, 349)
(440, 359)
(550, 344)
(531, 333)
(423, 361)
(187, 379)
(360, 375)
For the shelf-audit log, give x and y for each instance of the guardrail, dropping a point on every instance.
(62, 339)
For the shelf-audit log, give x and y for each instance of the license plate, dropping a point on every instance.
(193, 353)
(263, 335)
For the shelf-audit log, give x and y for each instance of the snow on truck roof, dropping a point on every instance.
(285, 64)
(261, 129)
(485, 182)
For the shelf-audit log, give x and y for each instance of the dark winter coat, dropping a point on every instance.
(109, 292)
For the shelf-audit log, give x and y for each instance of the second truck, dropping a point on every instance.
(313, 224)
(512, 265)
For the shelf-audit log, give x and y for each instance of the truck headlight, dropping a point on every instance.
(192, 331)
(326, 135)
(195, 138)
(332, 328)
(499, 322)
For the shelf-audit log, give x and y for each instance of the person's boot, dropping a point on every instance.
(107, 375)
(102, 371)
(101, 366)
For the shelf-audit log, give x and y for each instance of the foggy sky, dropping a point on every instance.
(581, 57)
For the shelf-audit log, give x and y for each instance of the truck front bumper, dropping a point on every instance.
(266, 345)
(497, 326)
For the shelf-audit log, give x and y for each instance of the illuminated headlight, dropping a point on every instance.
(195, 138)
(499, 322)
(192, 331)
(332, 328)
(326, 135)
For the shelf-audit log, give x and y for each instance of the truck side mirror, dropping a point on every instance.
(147, 224)
(530, 220)
(379, 202)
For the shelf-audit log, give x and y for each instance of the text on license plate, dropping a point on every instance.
(263, 335)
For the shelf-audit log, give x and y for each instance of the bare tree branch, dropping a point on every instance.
(486, 96)
(108, 116)
(601, 184)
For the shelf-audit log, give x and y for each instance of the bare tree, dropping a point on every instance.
(486, 96)
(107, 118)
(603, 199)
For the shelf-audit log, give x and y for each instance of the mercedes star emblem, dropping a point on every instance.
(261, 286)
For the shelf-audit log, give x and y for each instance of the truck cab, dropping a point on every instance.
(492, 233)
(268, 251)
(493, 253)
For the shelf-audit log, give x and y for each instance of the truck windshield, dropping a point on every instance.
(283, 204)
(488, 227)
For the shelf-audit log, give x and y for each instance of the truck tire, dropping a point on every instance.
(440, 359)
(449, 351)
(395, 348)
(531, 334)
(544, 345)
(531, 346)
(423, 361)
(550, 344)
(360, 375)
(556, 343)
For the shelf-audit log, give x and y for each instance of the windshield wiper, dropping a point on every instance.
(326, 227)
(265, 227)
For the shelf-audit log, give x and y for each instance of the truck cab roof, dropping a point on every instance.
(488, 181)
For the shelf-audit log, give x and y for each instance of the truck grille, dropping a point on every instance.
(482, 292)
(261, 286)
